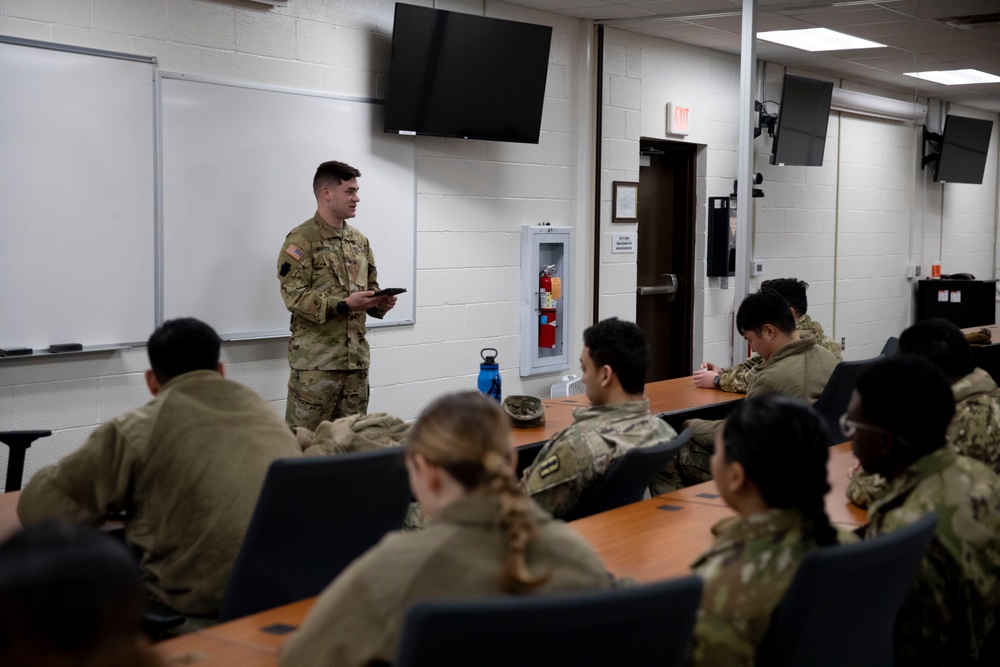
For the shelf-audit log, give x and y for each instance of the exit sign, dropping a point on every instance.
(678, 116)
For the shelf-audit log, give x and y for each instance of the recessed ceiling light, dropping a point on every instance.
(817, 39)
(956, 77)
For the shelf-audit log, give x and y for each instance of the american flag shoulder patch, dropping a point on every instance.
(293, 251)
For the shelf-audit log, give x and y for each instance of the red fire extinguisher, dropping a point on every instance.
(546, 309)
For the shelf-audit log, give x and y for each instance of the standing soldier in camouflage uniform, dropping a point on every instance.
(614, 361)
(328, 280)
(897, 418)
(770, 466)
(975, 429)
(736, 379)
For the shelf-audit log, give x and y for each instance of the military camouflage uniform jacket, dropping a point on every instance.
(799, 369)
(319, 266)
(974, 432)
(951, 605)
(746, 572)
(736, 379)
(579, 454)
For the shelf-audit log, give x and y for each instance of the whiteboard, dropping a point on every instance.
(77, 196)
(238, 164)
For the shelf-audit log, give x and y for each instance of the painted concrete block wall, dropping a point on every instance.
(709, 82)
(473, 198)
(619, 162)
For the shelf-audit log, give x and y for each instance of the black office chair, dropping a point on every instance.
(841, 607)
(314, 516)
(891, 347)
(627, 479)
(643, 625)
(832, 403)
(18, 442)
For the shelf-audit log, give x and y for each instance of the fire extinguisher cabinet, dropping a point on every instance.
(545, 299)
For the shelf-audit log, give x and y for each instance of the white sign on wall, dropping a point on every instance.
(623, 244)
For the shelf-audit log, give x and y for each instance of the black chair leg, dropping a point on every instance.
(18, 442)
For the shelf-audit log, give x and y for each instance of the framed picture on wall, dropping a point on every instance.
(624, 201)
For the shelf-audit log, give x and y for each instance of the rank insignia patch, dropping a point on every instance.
(548, 466)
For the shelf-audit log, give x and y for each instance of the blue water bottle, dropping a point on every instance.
(489, 374)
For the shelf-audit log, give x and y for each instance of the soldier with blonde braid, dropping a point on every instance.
(485, 537)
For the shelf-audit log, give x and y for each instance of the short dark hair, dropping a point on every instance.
(64, 586)
(333, 173)
(764, 307)
(622, 346)
(783, 444)
(909, 397)
(942, 343)
(791, 290)
(181, 346)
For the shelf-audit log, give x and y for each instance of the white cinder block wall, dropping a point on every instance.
(849, 227)
(619, 162)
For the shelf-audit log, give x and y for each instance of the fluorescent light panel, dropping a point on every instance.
(956, 77)
(817, 39)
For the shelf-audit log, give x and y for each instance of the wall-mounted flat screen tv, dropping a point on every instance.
(965, 144)
(459, 75)
(800, 136)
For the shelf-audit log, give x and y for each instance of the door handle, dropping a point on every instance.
(670, 289)
(653, 290)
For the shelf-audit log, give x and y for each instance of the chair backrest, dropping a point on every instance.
(841, 607)
(832, 403)
(891, 347)
(643, 625)
(627, 478)
(314, 516)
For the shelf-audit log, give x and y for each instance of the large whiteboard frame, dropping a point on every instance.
(77, 195)
(237, 161)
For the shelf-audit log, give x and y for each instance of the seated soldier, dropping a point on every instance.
(897, 418)
(484, 538)
(70, 596)
(975, 429)
(792, 366)
(736, 379)
(770, 466)
(614, 361)
(185, 469)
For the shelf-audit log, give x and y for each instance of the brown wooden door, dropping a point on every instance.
(666, 248)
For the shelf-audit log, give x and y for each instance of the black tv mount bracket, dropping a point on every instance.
(757, 179)
(764, 120)
(934, 139)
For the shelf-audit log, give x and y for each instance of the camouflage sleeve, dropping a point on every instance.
(715, 642)
(932, 604)
(736, 379)
(865, 488)
(833, 346)
(554, 480)
(975, 431)
(295, 272)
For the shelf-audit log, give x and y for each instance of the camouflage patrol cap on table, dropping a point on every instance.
(524, 411)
